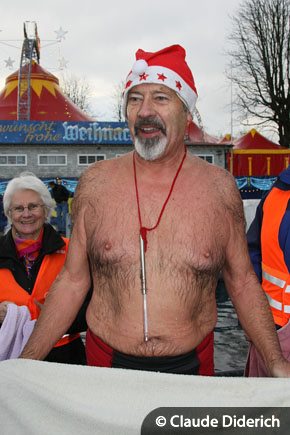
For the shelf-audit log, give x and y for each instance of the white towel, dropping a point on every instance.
(15, 331)
(42, 398)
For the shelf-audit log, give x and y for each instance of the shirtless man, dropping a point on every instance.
(190, 217)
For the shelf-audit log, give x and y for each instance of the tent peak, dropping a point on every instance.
(253, 132)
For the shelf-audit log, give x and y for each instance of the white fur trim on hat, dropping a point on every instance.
(142, 73)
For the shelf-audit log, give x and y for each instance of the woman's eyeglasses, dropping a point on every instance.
(32, 207)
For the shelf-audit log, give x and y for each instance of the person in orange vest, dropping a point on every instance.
(32, 254)
(269, 249)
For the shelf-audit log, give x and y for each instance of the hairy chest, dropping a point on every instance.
(190, 232)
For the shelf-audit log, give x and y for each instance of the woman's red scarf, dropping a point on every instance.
(28, 250)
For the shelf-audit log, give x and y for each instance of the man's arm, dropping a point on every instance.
(67, 293)
(66, 193)
(80, 323)
(245, 291)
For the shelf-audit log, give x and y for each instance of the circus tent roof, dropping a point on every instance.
(196, 135)
(253, 155)
(226, 140)
(254, 140)
(48, 103)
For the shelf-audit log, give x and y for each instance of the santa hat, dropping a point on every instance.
(166, 67)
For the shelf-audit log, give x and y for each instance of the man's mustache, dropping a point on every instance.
(149, 122)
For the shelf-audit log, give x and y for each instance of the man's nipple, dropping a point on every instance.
(108, 246)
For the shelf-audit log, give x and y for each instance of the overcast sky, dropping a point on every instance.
(102, 38)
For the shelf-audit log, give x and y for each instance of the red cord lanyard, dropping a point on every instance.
(143, 230)
(143, 241)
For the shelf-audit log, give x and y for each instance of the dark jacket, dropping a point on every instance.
(52, 241)
(60, 193)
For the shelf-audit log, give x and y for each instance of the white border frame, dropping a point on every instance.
(14, 155)
(51, 164)
(87, 155)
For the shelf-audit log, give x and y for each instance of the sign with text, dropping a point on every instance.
(58, 132)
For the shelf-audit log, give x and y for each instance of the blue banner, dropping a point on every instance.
(55, 132)
(260, 183)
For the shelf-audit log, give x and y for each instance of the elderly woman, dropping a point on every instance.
(32, 254)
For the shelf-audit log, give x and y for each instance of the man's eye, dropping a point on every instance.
(161, 97)
(19, 209)
(133, 99)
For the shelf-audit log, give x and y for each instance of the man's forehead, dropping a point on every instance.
(151, 87)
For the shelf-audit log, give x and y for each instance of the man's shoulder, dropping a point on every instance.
(283, 180)
(63, 188)
(102, 173)
(104, 167)
(210, 171)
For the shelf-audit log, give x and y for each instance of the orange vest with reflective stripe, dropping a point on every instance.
(50, 267)
(275, 274)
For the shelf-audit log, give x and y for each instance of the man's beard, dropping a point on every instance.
(150, 148)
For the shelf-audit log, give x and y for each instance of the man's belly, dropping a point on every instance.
(166, 336)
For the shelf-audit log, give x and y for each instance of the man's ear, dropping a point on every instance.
(189, 118)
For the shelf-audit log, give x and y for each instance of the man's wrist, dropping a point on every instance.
(279, 368)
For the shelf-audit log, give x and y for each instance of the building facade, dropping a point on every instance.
(65, 149)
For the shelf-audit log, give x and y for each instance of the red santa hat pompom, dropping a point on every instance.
(166, 67)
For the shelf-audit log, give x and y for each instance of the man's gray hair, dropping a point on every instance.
(27, 181)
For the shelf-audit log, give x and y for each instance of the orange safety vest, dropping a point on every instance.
(275, 274)
(50, 267)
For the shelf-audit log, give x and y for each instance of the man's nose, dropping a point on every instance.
(146, 108)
